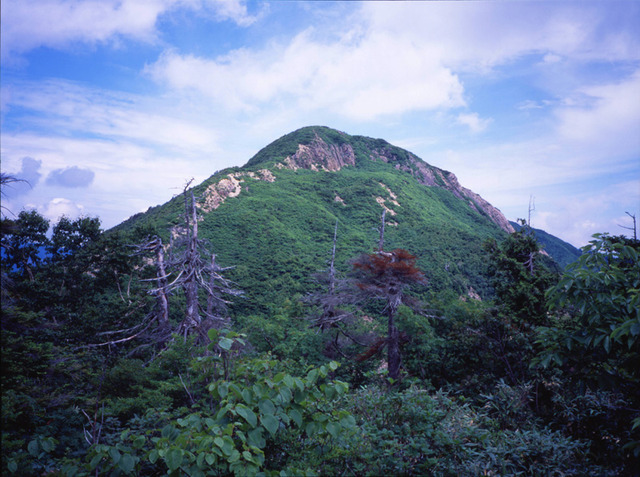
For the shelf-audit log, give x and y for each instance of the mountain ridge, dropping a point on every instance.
(322, 148)
(273, 218)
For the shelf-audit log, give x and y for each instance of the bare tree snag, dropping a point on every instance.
(191, 268)
(162, 314)
(381, 240)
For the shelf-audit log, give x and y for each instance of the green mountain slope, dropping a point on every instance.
(273, 219)
(562, 252)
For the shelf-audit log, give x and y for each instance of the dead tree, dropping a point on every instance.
(633, 217)
(155, 246)
(191, 266)
(381, 240)
(195, 275)
(334, 307)
(186, 270)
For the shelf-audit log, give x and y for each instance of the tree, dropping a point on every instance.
(601, 291)
(386, 276)
(23, 243)
(188, 269)
(333, 305)
(521, 273)
(593, 341)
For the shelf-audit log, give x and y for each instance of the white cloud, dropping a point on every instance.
(473, 121)
(69, 109)
(608, 120)
(60, 206)
(475, 36)
(234, 10)
(360, 78)
(28, 24)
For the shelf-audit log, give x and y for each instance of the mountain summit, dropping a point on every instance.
(274, 218)
(320, 148)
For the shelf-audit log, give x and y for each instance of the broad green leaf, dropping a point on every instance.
(174, 458)
(138, 442)
(223, 389)
(266, 407)
(225, 343)
(285, 395)
(33, 448)
(248, 414)
(333, 429)
(256, 438)
(312, 376)
(48, 444)
(228, 446)
(296, 416)
(213, 334)
(95, 461)
(247, 396)
(311, 428)
(127, 463)
(288, 380)
(115, 455)
(270, 423)
(235, 456)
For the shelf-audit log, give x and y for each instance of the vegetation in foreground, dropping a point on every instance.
(124, 356)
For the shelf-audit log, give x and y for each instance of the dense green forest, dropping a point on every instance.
(543, 378)
(287, 332)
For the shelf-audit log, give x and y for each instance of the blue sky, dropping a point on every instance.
(111, 106)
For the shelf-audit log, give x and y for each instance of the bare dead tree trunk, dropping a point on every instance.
(633, 217)
(332, 270)
(393, 339)
(381, 241)
(161, 293)
(192, 317)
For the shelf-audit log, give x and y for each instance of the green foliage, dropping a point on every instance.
(263, 398)
(262, 419)
(593, 340)
(598, 299)
(413, 432)
(520, 276)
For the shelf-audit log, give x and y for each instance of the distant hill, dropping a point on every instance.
(273, 219)
(562, 252)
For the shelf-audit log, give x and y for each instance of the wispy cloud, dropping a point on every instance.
(475, 123)
(359, 78)
(29, 24)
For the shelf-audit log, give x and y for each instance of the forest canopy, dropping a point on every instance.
(98, 380)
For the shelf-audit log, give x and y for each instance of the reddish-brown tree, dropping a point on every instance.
(386, 276)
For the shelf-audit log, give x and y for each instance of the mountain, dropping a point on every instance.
(273, 219)
(562, 252)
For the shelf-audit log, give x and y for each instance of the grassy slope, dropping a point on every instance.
(277, 234)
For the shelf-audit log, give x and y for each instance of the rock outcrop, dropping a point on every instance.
(230, 186)
(434, 177)
(318, 155)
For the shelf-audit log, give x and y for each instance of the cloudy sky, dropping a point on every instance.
(110, 106)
